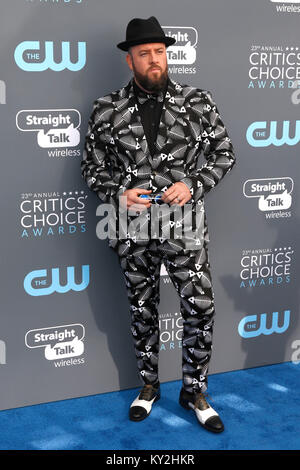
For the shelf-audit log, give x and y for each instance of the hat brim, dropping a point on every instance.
(125, 45)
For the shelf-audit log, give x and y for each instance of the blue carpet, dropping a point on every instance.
(259, 406)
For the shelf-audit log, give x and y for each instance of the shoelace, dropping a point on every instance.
(201, 399)
(147, 392)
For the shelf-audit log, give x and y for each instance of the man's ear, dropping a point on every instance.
(129, 61)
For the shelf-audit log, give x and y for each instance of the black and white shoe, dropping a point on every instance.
(141, 407)
(206, 415)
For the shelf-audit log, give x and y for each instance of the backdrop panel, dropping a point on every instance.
(65, 321)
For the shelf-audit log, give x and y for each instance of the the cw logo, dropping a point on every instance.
(257, 135)
(34, 282)
(32, 64)
(255, 329)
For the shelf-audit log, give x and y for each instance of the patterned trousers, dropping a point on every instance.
(190, 274)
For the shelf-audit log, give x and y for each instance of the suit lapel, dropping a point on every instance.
(130, 131)
(128, 126)
(171, 123)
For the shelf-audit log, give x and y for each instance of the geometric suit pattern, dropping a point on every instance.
(116, 157)
(190, 274)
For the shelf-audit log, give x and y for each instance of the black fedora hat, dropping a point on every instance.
(140, 31)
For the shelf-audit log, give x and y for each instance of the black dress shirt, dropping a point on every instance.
(150, 107)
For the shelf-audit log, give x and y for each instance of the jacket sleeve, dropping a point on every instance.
(217, 149)
(99, 166)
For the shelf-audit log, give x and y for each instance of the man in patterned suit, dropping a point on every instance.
(144, 140)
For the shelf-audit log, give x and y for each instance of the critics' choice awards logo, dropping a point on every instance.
(54, 128)
(60, 280)
(170, 324)
(252, 326)
(272, 194)
(286, 6)
(52, 214)
(266, 267)
(60, 343)
(170, 331)
(38, 56)
(274, 66)
(264, 134)
(182, 55)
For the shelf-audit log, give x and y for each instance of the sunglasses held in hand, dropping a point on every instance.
(154, 199)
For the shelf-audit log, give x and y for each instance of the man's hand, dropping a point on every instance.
(133, 200)
(179, 194)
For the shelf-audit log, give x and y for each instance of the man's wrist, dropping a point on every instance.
(188, 182)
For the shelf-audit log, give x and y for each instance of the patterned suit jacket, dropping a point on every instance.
(116, 156)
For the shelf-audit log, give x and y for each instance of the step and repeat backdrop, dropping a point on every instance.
(65, 319)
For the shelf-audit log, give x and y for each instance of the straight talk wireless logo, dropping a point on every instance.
(62, 345)
(55, 129)
(181, 56)
(273, 195)
(287, 6)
